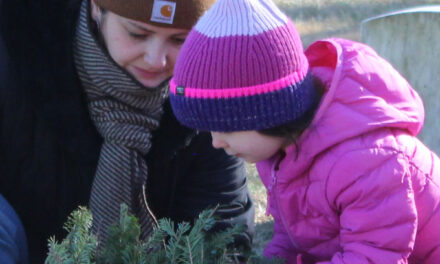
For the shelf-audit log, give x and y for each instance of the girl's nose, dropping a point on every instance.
(217, 142)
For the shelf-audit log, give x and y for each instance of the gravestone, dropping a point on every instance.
(410, 40)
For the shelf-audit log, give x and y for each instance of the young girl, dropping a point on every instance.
(332, 130)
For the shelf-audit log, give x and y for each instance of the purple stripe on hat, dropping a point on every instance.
(255, 112)
(241, 91)
(239, 61)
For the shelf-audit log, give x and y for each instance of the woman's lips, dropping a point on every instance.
(145, 74)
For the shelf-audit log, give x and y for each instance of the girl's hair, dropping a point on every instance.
(293, 130)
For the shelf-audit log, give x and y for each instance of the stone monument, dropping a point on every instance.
(410, 40)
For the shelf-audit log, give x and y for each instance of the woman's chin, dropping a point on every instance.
(149, 83)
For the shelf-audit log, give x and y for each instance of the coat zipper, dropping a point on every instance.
(273, 181)
(272, 192)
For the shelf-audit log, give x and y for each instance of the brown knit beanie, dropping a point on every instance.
(163, 13)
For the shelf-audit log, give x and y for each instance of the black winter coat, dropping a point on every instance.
(49, 147)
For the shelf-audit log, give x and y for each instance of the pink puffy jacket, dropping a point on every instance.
(362, 188)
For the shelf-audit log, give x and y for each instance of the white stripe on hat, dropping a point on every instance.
(240, 18)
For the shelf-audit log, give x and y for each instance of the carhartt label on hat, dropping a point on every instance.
(180, 90)
(163, 11)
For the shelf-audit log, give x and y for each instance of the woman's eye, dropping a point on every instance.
(137, 35)
(178, 41)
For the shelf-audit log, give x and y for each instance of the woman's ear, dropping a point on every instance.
(96, 12)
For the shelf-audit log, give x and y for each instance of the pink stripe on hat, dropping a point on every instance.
(240, 91)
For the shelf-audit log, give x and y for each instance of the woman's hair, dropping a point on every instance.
(293, 130)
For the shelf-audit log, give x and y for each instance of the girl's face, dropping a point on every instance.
(249, 145)
(147, 52)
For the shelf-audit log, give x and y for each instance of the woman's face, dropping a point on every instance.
(147, 52)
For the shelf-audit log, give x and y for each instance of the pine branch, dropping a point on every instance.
(190, 257)
(169, 243)
(122, 245)
(79, 246)
(57, 253)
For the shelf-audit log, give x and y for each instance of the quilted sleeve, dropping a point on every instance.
(371, 190)
(280, 245)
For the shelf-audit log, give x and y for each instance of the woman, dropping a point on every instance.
(84, 115)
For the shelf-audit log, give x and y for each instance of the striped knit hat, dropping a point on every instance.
(242, 67)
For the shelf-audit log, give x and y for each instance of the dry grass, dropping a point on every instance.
(317, 19)
(263, 229)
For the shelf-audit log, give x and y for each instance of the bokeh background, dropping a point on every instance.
(317, 19)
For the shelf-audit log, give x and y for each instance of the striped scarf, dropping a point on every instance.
(125, 113)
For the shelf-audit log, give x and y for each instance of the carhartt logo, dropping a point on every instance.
(163, 11)
(166, 11)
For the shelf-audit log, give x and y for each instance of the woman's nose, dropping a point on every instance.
(156, 55)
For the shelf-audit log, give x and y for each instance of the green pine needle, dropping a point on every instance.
(180, 243)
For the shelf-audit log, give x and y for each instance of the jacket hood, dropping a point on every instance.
(363, 93)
